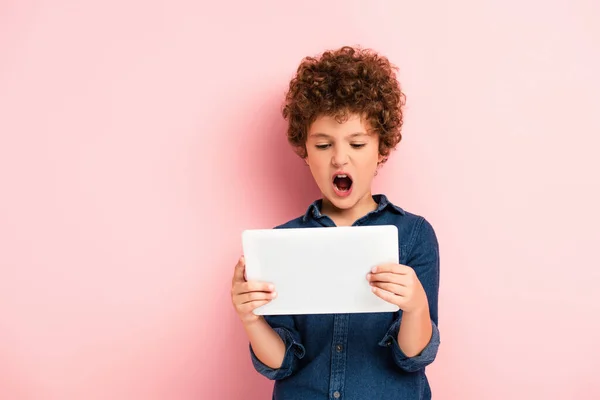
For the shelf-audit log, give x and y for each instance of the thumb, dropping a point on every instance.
(240, 270)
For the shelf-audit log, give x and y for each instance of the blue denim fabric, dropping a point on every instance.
(357, 356)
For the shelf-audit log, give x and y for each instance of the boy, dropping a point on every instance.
(344, 110)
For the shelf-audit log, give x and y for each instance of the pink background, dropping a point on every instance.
(138, 139)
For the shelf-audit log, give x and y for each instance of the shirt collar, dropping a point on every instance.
(314, 210)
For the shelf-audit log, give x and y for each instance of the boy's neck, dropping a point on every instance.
(346, 217)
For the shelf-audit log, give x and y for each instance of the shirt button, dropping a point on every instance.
(336, 394)
(388, 343)
(339, 348)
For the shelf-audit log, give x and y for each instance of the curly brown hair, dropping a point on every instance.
(349, 80)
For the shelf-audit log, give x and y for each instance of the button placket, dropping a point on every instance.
(338, 355)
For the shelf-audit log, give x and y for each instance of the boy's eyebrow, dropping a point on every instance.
(324, 135)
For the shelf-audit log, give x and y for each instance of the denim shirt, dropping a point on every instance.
(357, 356)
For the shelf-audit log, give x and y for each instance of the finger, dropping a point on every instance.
(398, 290)
(387, 296)
(252, 286)
(256, 286)
(253, 305)
(390, 267)
(388, 277)
(256, 296)
(238, 273)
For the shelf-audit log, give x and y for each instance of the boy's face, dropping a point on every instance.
(343, 159)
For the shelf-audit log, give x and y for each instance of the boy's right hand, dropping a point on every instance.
(246, 296)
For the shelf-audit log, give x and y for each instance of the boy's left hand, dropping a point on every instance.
(398, 284)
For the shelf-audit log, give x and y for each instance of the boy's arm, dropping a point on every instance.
(275, 346)
(415, 332)
(274, 341)
(414, 337)
(267, 345)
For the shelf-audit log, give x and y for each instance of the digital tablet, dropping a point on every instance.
(320, 270)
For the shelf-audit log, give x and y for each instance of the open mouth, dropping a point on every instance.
(342, 183)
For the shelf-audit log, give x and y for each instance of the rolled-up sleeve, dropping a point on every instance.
(294, 350)
(424, 258)
(411, 364)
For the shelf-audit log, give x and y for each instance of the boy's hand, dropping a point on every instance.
(398, 284)
(247, 296)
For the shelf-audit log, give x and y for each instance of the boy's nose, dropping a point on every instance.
(339, 159)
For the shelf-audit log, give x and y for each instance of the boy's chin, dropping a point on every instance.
(341, 203)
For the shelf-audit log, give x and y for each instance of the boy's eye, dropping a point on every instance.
(358, 145)
(322, 146)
